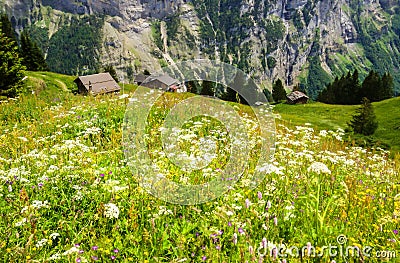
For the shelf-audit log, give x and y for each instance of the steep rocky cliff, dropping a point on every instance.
(299, 41)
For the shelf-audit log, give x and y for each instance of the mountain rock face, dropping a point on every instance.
(306, 42)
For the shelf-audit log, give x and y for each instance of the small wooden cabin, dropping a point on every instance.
(297, 97)
(96, 84)
(164, 82)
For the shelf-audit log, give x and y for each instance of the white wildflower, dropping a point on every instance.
(323, 133)
(71, 251)
(39, 204)
(236, 207)
(22, 222)
(289, 214)
(111, 211)
(54, 235)
(229, 213)
(24, 209)
(319, 168)
(55, 257)
(123, 96)
(164, 211)
(41, 243)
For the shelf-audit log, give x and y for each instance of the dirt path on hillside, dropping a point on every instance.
(62, 84)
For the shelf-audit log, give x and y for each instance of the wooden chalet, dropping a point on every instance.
(96, 84)
(297, 97)
(164, 82)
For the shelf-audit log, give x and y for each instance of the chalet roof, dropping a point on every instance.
(166, 79)
(295, 95)
(99, 83)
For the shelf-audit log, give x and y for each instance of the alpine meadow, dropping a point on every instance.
(119, 144)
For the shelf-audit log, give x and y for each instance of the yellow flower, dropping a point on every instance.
(130, 259)
(8, 250)
(28, 257)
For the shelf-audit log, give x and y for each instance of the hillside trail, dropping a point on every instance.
(62, 84)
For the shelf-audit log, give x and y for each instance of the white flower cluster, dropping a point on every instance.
(111, 211)
(41, 243)
(91, 130)
(114, 186)
(56, 256)
(70, 251)
(54, 235)
(319, 168)
(39, 204)
(21, 222)
(164, 211)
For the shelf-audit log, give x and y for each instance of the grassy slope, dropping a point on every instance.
(321, 116)
(324, 116)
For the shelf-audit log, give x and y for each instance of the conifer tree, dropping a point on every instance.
(278, 91)
(371, 86)
(6, 27)
(11, 68)
(32, 56)
(192, 86)
(355, 88)
(208, 88)
(387, 85)
(364, 121)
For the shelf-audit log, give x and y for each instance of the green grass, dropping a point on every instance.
(66, 190)
(320, 115)
(332, 117)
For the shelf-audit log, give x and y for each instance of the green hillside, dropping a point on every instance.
(70, 193)
(332, 117)
(319, 115)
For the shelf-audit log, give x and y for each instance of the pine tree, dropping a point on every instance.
(6, 28)
(355, 88)
(110, 69)
(278, 91)
(11, 68)
(32, 56)
(371, 86)
(387, 85)
(364, 121)
(192, 86)
(208, 88)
